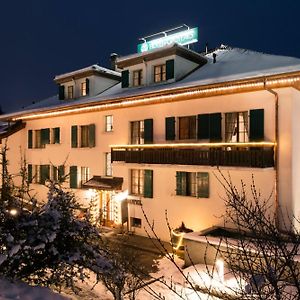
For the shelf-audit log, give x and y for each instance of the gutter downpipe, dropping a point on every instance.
(276, 154)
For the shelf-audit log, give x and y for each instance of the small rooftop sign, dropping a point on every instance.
(184, 37)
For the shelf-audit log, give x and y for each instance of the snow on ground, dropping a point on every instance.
(23, 291)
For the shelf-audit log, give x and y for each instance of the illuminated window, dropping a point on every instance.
(85, 175)
(194, 184)
(83, 91)
(137, 182)
(108, 167)
(109, 123)
(84, 136)
(137, 77)
(70, 92)
(187, 128)
(137, 132)
(236, 127)
(160, 73)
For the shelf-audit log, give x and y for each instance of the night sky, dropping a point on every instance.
(44, 38)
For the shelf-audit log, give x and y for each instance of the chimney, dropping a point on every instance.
(215, 57)
(113, 58)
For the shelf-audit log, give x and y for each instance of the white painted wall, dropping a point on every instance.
(197, 213)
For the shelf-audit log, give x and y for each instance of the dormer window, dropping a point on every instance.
(137, 77)
(70, 92)
(83, 89)
(160, 73)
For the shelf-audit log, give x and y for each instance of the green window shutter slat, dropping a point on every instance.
(203, 127)
(56, 135)
(179, 186)
(203, 185)
(87, 83)
(74, 136)
(256, 132)
(29, 173)
(215, 127)
(125, 79)
(170, 128)
(44, 173)
(61, 173)
(148, 131)
(92, 131)
(54, 173)
(30, 140)
(61, 92)
(45, 136)
(170, 69)
(148, 183)
(73, 177)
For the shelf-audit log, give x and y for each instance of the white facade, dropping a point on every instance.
(198, 213)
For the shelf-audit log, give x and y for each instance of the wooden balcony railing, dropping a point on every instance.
(255, 157)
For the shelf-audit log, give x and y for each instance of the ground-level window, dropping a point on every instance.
(108, 167)
(85, 175)
(195, 184)
(141, 182)
(236, 127)
(136, 222)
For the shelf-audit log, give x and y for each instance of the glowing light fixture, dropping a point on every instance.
(121, 196)
(13, 212)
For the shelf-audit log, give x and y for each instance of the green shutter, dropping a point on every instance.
(148, 183)
(30, 139)
(170, 69)
(203, 185)
(256, 132)
(181, 183)
(73, 177)
(148, 131)
(87, 83)
(45, 136)
(61, 173)
(74, 136)
(54, 173)
(203, 127)
(125, 79)
(56, 135)
(44, 173)
(92, 131)
(170, 128)
(61, 92)
(215, 127)
(29, 173)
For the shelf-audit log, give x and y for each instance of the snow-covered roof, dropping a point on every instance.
(93, 68)
(231, 64)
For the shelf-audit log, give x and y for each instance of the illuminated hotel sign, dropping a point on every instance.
(185, 37)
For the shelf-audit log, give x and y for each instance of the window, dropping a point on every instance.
(137, 132)
(187, 128)
(85, 175)
(43, 173)
(42, 137)
(70, 92)
(137, 77)
(55, 135)
(195, 184)
(160, 73)
(83, 135)
(109, 123)
(83, 89)
(136, 222)
(142, 183)
(108, 167)
(236, 127)
(58, 173)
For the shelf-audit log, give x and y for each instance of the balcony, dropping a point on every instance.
(254, 155)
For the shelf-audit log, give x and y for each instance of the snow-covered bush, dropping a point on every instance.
(50, 245)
